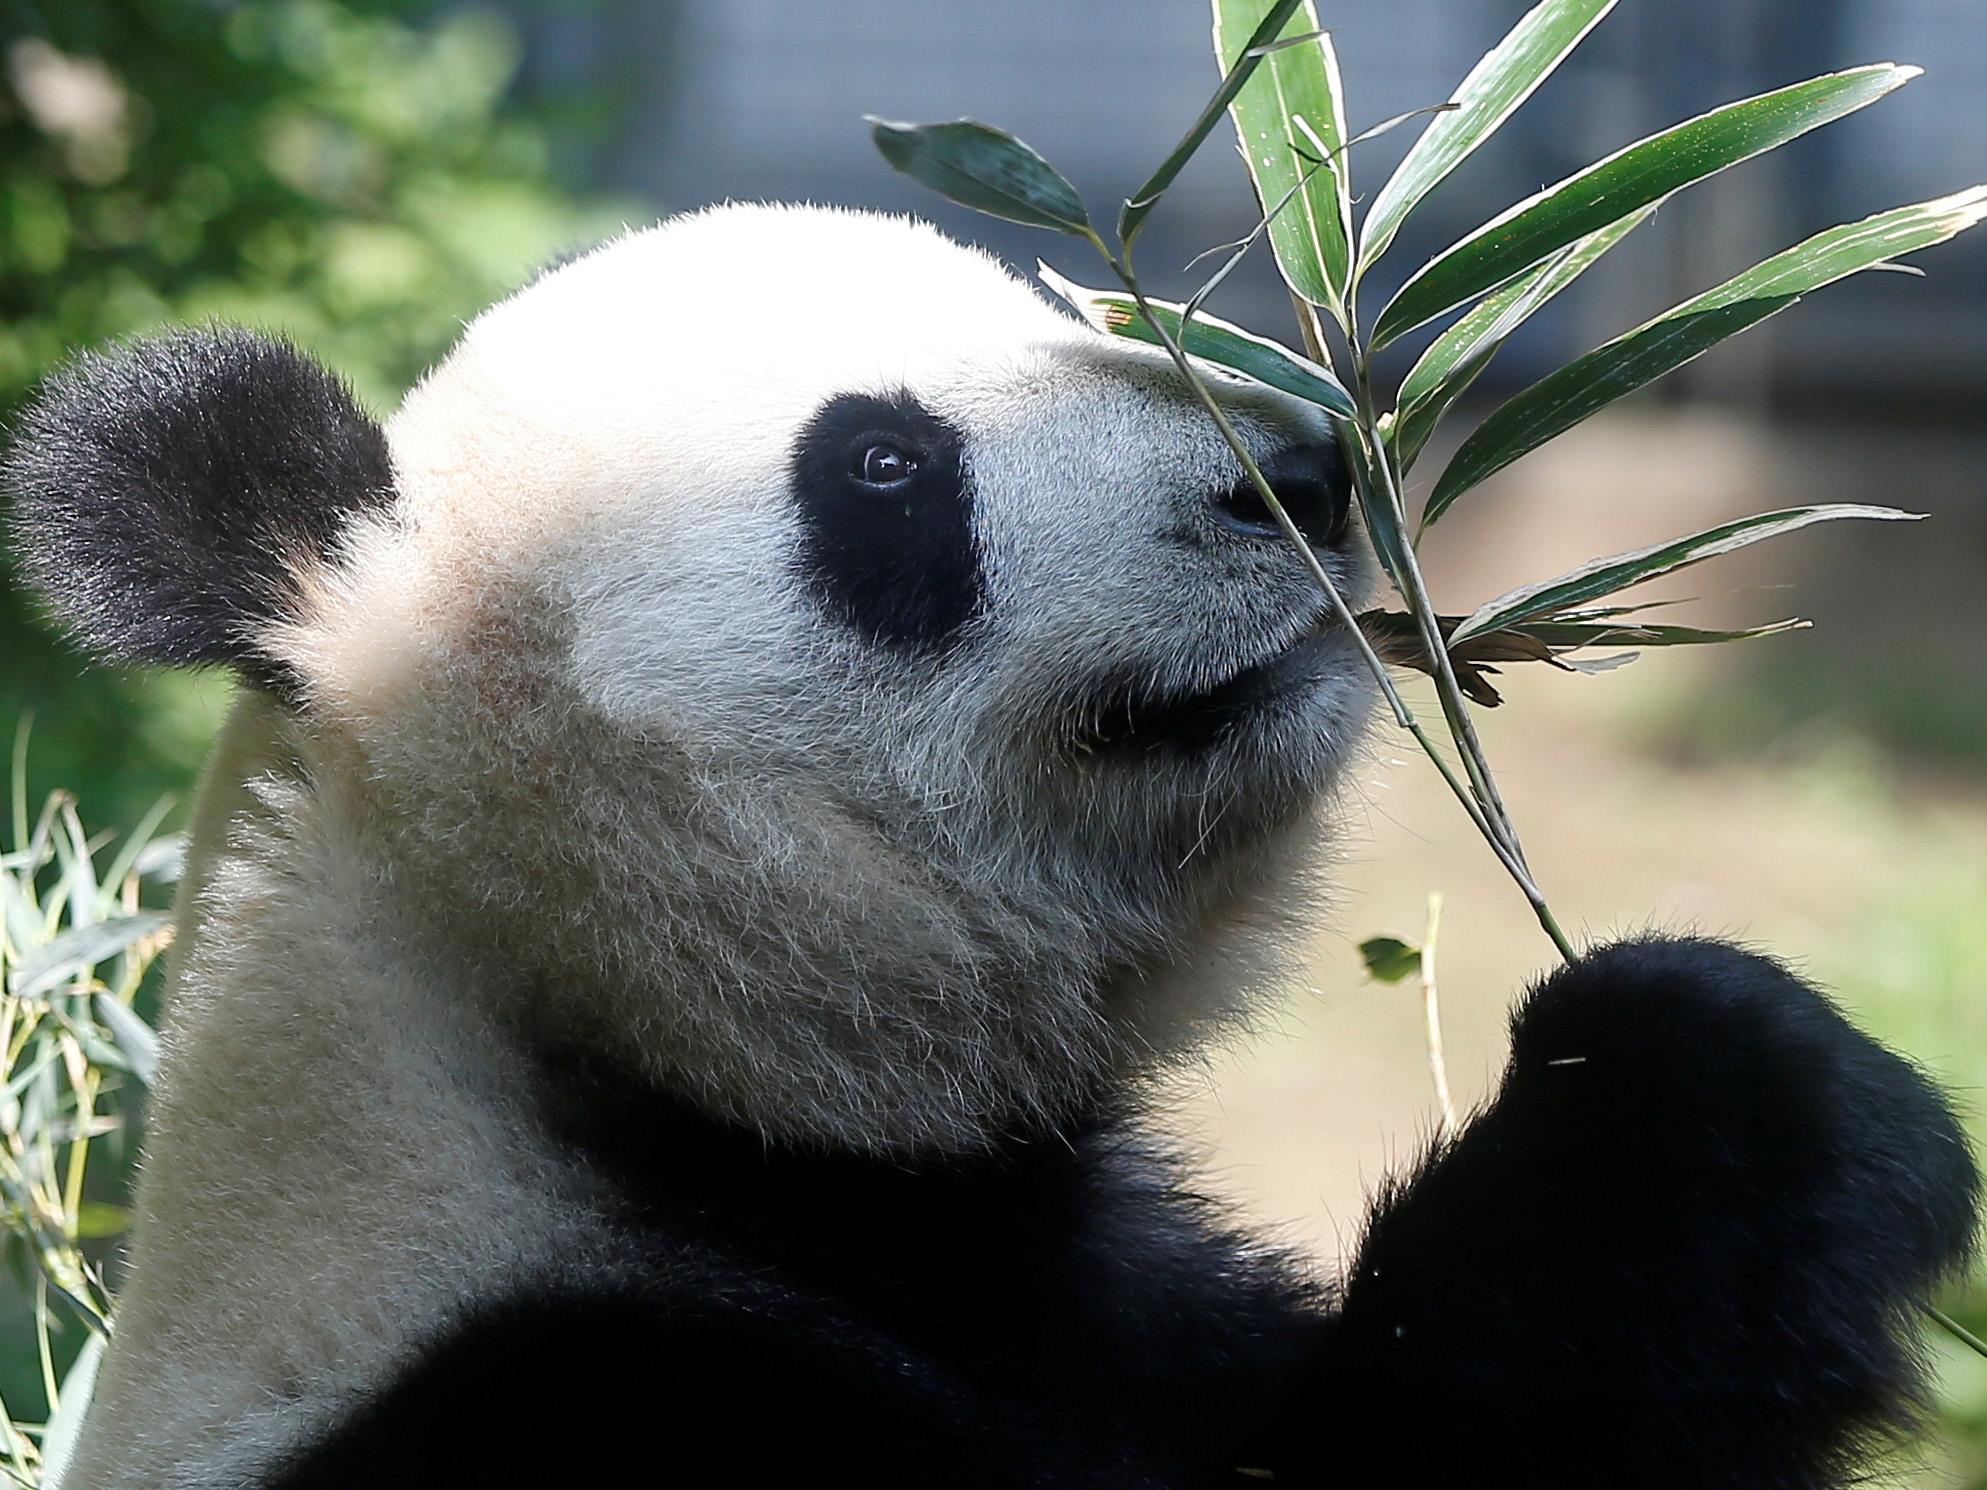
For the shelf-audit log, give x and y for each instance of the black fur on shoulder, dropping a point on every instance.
(164, 493)
(1062, 1313)
(1685, 1246)
(1681, 1250)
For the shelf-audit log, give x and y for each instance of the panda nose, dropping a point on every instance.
(1312, 483)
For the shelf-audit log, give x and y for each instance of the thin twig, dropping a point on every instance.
(1455, 708)
(1958, 1331)
(1431, 1009)
(1495, 817)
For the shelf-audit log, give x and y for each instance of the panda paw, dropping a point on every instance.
(1699, 1069)
(1686, 1244)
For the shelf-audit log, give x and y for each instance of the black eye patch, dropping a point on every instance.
(887, 520)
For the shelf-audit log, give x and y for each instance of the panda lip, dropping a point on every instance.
(1136, 718)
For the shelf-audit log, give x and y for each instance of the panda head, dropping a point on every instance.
(791, 659)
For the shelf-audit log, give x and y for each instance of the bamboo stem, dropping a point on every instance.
(1431, 1010)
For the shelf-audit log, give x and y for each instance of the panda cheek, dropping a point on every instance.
(899, 566)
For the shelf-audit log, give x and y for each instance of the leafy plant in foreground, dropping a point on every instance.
(1282, 89)
(76, 938)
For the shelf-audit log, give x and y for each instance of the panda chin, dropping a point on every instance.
(1136, 720)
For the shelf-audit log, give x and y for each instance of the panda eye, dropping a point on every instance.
(883, 465)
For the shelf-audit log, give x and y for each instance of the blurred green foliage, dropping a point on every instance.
(352, 173)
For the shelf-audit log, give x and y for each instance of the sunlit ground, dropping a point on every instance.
(1869, 875)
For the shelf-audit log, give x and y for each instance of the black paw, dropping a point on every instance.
(1715, 1073)
(1685, 1245)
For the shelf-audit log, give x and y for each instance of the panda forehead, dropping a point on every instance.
(766, 296)
(707, 341)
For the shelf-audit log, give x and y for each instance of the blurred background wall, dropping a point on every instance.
(363, 174)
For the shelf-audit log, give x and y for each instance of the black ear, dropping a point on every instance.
(167, 494)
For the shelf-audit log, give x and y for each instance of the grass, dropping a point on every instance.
(80, 927)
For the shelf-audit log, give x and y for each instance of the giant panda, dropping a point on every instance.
(742, 786)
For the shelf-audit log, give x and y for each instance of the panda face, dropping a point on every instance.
(792, 620)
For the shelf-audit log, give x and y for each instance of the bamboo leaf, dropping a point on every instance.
(1396, 636)
(65, 1423)
(1569, 634)
(1644, 172)
(1561, 400)
(79, 875)
(1239, 248)
(1595, 664)
(1388, 959)
(135, 1038)
(80, 948)
(1116, 314)
(1618, 571)
(1312, 240)
(1616, 612)
(1253, 51)
(1504, 79)
(1292, 41)
(1454, 360)
(162, 859)
(984, 168)
(127, 856)
(1849, 248)
(1383, 524)
(96, 1219)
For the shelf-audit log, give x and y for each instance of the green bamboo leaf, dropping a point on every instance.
(1618, 571)
(1561, 400)
(1312, 240)
(1383, 524)
(1850, 248)
(96, 1219)
(1147, 196)
(1455, 358)
(1630, 608)
(1116, 314)
(984, 168)
(1505, 78)
(80, 948)
(1240, 247)
(1397, 637)
(135, 1038)
(1388, 959)
(76, 854)
(1563, 633)
(65, 1424)
(162, 859)
(127, 856)
(1478, 339)
(1644, 172)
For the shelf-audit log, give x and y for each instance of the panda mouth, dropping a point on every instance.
(1131, 719)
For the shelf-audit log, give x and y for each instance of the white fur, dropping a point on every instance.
(580, 755)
